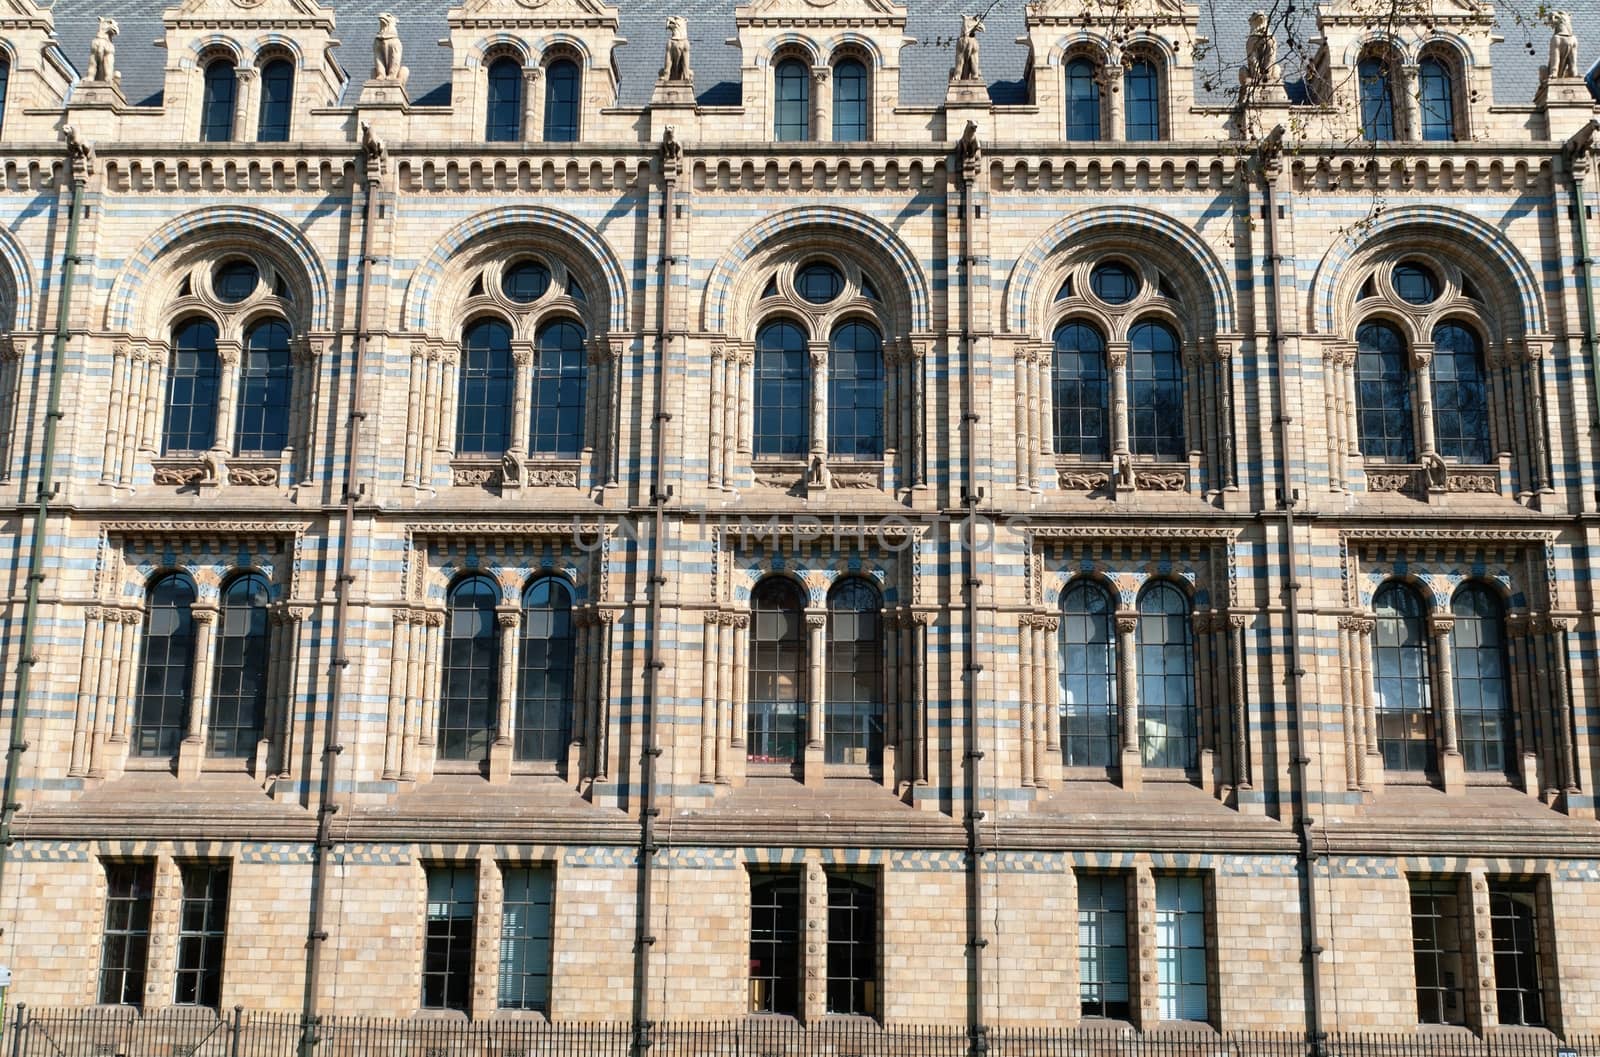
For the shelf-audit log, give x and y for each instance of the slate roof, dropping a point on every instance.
(924, 66)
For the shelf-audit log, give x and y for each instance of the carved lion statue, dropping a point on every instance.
(386, 51)
(676, 66)
(966, 67)
(103, 52)
(1563, 47)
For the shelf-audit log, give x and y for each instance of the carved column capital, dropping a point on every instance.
(1440, 625)
(1127, 623)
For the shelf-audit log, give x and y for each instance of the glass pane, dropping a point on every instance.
(503, 122)
(792, 102)
(562, 101)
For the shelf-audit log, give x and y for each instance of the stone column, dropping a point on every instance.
(192, 750)
(1410, 104)
(1132, 760)
(122, 361)
(427, 673)
(1240, 715)
(1422, 361)
(709, 673)
(228, 353)
(522, 359)
(1477, 954)
(1567, 769)
(509, 621)
(917, 425)
(1451, 767)
(246, 112)
(725, 693)
(1524, 695)
(814, 967)
(532, 104)
(1363, 627)
(1025, 698)
(816, 695)
(735, 413)
(1022, 381)
(891, 695)
(821, 103)
(718, 394)
(1144, 970)
(307, 383)
(1111, 91)
(1117, 359)
(292, 619)
(1045, 768)
(1532, 371)
(819, 399)
(444, 429)
(94, 634)
(1349, 687)
(741, 698)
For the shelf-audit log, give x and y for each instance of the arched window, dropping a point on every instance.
(562, 103)
(782, 392)
(855, 393)
(1168, 731)
(1400, 662)
(264, 390)
(503, 123)
(1083, 100)
(1383, 394)
(239, 692)
(850, 101)
(1483, 694)
(166, 669)
(1377, 99)
(1090, 720)
(277, 101)
(1142, 84)
(5, 83)
(216, 102)
(1460, 395)
(791, 112)
(855, 674)
(777, 713)
(483, 419)
(1155, 397)
(192, 383)
(1080, 393)
(558, 383)
(469, 698)
(544, 676)
(1437, 98)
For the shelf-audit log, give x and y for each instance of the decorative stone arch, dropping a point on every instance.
(851, 42)
(812, 580)
(499, 42)
(273, 41)
(789, 42)
(1377, 40)
(213, 43)
(17, 284)
(1079, 42)
(561, 44)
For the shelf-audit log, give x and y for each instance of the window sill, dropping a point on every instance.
(226, 764)
(460, 766)
(151, 763)
(772, 769)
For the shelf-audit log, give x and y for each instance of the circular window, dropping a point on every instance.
(235, 280)
(1114, 283)
(526, 281)
(819, 283)
(1415, 283)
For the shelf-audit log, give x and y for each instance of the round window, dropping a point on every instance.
(1415, 283)
(526, 281)
(819, 283)
(236, 279)
(1114, 283)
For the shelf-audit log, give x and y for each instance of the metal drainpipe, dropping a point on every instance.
(36, 559)
(317, 935)
(1267, 167)
(1575, 152)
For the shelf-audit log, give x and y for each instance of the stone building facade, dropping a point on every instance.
(793, 549)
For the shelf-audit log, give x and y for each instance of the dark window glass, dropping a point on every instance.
(239, 695)
(503, 123)
(1155, 398)
(783, 392)
(791, 119)
(265, 387)
(1483, 694)
(125, 944)
(1415, 283)
(483, 417)
(192, 384)
(1383, 394)
(202, 931)
(544, 678)
(855, 393)
(775, 945)
(5, 83)
(1142, 84)
(525, 938)
(1103, 946)
(777, 714)
(216, 102)
(1181, 948)
(1436, 96)
(1400, 660)
(852, 947)
(1436, 946)
(1080, 393)
(819, 282)
(1090, 721)
(1167, 735)
(1460, 395)
(167, 668)
(470, 698)
(1083, 100)
(1114, 283)
(235, 279)
(1377, 100)
(1513, 916)
(850, 101)
(277, 101)
(855, 674)
(558, 382)
(562, 88)
(447, 949)
(526, 281)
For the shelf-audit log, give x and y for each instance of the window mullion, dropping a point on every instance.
(192, 749)
(524, 376)
(1422, 364)
(534, 85)
(819, 399)
(1111, 92)
(1127, 624)
(1117, 358)
(815, 696)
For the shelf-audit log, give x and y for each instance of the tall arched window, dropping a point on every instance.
(1168, 730)
(1400, 660)
(562, 101)
(851, 103)
(216, 102)
(1155, 397)
(791, 112)
(265, 379)
(483, 415)
(777, 712)
(277, 101)
(192, 384)
(1482, 689)
(1080, 393)
(503, 122)
(1460, 395)
(167, 668)
(239, 691)
(1083, 100)
(782, 392)
(855, 674)
(1377, 99)
(855, 393)
(469, 696)
(1383, 394)
(1090, 719)
(5, 84)
(1142, 85)
(1437, 100)
(544, 676)
(558, 383)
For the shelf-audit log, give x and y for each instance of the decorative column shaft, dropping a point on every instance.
(1128, 698)
(819, 398)
(1025, 686)
(817, 645)
(1117, 357)
(509, 621)
(228, 352)
(88, 677)
(1422, 359)
(709, 674)
(205, 625)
